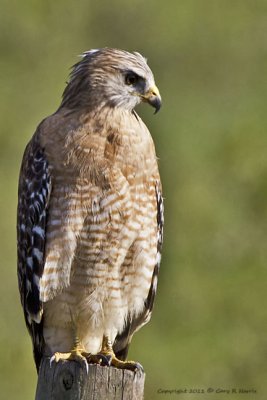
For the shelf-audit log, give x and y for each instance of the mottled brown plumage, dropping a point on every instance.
(90, 211)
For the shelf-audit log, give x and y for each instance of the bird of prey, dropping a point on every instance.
(90, 215)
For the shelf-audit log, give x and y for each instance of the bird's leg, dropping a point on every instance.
(77, 353)
(106, 356)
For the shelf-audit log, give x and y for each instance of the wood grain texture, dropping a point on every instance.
(68, 380)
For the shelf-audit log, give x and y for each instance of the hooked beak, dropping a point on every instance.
(153, 98)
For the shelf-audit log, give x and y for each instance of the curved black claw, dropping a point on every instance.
(94, 358)
(106, 360)
(102, 359)
(139, 367)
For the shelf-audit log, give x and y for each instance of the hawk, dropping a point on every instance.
(90, 215)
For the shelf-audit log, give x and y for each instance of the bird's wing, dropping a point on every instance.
(33, 199)
(132, 325)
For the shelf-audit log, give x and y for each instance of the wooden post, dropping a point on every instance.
(68, 380)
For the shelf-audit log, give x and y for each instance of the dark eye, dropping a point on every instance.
(131, 78)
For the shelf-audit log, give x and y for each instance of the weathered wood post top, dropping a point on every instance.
(68, 380)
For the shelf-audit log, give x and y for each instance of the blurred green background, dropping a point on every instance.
(209, 327)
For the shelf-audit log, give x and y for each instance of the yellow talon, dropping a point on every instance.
(106, 356)
(76, 354)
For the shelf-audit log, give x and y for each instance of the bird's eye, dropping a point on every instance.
(131, 78)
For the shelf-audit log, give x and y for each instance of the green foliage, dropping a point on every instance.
(209, 60)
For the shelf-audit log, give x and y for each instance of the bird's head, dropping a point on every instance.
(111, 77)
